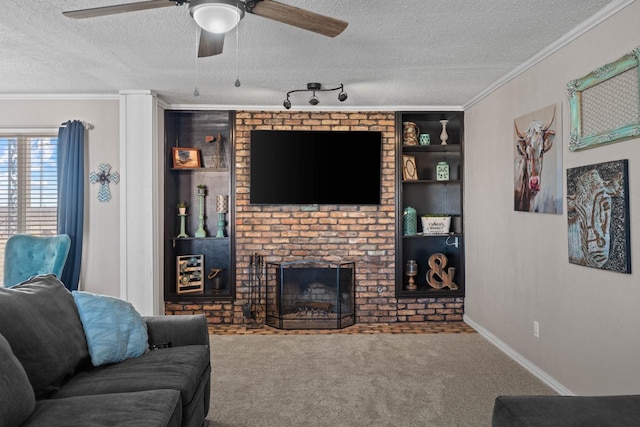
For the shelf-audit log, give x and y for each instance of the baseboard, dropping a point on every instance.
(537, 372)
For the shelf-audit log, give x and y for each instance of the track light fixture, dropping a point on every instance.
(315, 87)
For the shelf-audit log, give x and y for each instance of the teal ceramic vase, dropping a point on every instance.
(410, 218)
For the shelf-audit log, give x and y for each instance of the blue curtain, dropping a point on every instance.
(71, 196)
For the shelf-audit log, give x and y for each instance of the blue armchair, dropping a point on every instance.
(26, 256)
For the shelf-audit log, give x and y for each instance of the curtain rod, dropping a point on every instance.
(87, 125)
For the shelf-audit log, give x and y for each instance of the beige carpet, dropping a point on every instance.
(360, 380)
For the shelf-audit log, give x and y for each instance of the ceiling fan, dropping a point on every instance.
(216, 17)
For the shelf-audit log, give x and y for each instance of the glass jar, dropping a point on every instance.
(412, 267)
(442, 171)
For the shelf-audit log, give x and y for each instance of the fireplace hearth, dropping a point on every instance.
(310, 294)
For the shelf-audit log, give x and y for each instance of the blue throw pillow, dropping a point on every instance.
(115, 331)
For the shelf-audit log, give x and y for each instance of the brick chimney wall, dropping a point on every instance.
(364, 234)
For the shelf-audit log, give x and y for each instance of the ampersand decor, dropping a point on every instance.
(437, 264)
(104, 177)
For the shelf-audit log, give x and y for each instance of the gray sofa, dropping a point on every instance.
(566, 411)
(47, 377)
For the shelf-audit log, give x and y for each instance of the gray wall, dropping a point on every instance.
(517, 263)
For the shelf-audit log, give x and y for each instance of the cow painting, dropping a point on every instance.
(597, 215)
(531, 145)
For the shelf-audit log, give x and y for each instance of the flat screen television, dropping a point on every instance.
(315, 167)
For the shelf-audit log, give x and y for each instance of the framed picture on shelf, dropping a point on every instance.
(409, 169)
(189, 270)
(186, 158)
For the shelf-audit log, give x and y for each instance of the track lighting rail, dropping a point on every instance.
(315, 87)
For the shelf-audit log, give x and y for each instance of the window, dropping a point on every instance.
(28, 186)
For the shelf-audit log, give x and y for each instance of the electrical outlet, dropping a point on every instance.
(536, 329)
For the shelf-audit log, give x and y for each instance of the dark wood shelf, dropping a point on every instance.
(195, 239)
(428, 196)
(218, 253)
(199, 169)
(179, 239)
(431, 181)
(422, 235)
(199, 297)
(449, 148)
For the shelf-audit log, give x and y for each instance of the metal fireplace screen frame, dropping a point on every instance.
(310, 294)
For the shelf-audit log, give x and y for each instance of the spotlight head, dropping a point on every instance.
(287, 104)
(342, 96)
(314, 100)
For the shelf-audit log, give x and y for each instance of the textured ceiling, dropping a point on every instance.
(394, 53)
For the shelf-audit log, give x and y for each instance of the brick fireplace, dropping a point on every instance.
(361, 234)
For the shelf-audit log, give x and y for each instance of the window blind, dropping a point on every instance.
(28, 187)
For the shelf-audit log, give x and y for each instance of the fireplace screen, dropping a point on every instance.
(310, 295)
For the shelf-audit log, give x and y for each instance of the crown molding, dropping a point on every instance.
(350, 108)
(58, 96)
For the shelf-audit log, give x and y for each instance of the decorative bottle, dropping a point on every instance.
(410, 218)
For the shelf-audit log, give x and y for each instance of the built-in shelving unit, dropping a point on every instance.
(430, 196)
(211, 133)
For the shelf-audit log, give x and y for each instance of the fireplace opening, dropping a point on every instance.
(310, 294)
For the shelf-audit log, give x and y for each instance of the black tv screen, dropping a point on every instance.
(315, 167)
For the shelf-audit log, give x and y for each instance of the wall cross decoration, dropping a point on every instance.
(104, 177)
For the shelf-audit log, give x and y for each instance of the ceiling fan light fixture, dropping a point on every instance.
(216, 16)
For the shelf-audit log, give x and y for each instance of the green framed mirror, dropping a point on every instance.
(605, 104)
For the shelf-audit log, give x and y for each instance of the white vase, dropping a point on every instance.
(444, 135)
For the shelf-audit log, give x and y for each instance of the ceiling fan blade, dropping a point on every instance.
(300, 18)
(118, 8)
(210, 44)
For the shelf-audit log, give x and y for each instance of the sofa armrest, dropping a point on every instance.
(178, 330)
(566, 411)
